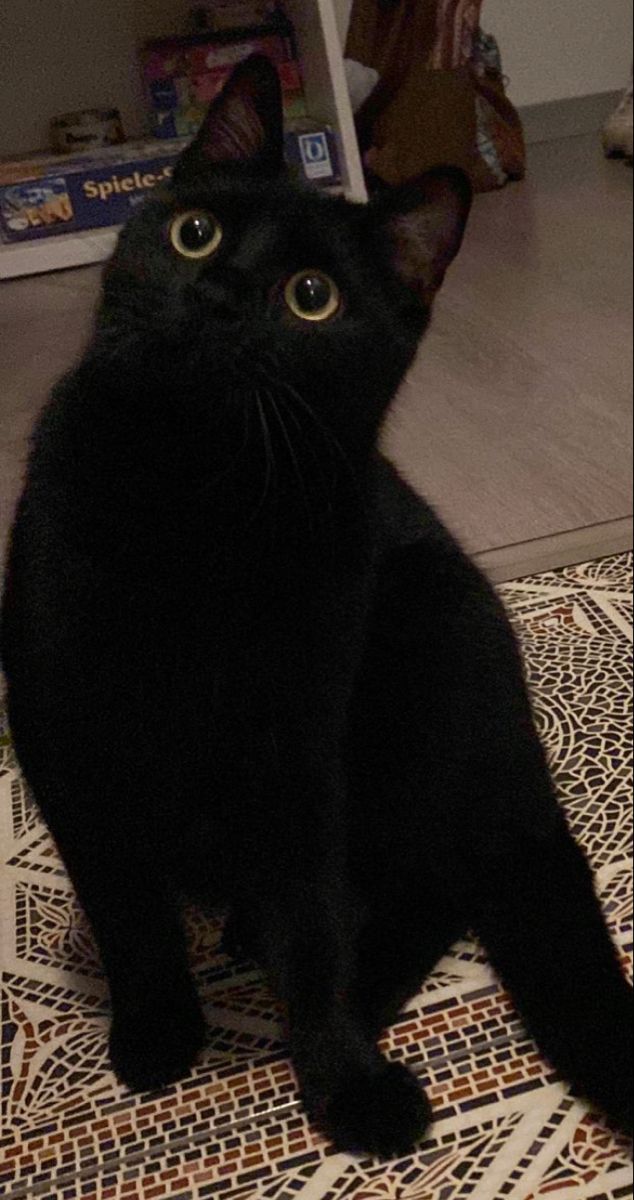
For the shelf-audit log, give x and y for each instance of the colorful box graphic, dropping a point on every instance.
(182, 75)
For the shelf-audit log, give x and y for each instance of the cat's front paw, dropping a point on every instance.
(156, 1049)
(385, 1114)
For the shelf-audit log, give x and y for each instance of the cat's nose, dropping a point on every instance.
(228, 312)
(221, 301)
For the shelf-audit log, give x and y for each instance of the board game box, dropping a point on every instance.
(46, 194)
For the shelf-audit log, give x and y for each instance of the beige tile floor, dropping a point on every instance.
(516, 419)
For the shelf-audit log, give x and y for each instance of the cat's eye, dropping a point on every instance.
(312, 296)
(195, 234)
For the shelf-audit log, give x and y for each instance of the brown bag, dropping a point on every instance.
(503, 124)
(430, 120)
(438, 100)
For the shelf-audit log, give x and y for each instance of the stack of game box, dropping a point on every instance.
(183, 74)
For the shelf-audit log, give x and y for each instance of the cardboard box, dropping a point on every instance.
(53, 194)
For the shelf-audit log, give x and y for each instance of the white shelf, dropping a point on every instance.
(57, 253)
(317, 25)
(343, 12)
(320, 26)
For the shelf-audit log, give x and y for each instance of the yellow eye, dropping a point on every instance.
(195, 234)
(312, 296)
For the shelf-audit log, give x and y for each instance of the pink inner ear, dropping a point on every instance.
(428, 237)
(234, 132)
(245, 122)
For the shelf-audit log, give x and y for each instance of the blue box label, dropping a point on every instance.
(316, 158)
(90, 199)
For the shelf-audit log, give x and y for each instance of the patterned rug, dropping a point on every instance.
(506, 1129)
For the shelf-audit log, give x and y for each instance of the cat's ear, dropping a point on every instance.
(426, 221)
(245, 124)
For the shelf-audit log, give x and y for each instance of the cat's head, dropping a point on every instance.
(239, 280)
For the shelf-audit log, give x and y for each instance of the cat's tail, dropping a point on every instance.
(541, 922)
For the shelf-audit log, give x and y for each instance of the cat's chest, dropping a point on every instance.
(224, 616)
(198, 577)
(222, 564)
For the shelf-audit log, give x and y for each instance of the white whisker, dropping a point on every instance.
(269, 456)
(294, 460)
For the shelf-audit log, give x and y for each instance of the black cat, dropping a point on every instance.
(247, 664)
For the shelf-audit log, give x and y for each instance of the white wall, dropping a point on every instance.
(60, 55)
(554, 49)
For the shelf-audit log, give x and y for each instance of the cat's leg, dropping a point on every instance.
(157, 1026)
(444, 729)
(364, 1103)
(296, 882)
(406, 933)
(539, 918)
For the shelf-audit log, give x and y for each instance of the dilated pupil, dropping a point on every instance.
(313, 293)
(197, 232)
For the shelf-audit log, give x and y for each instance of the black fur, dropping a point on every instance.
(247, 664)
